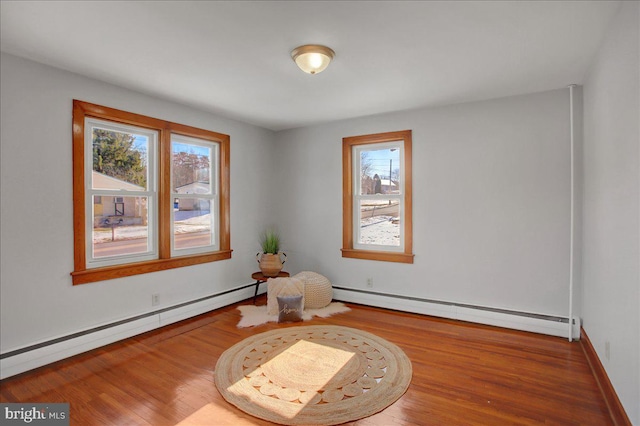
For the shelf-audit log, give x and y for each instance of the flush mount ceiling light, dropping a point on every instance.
(312, 58)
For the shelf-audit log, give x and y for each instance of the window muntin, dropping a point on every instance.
(150, 197)
(195, 195)
(377, 221)
(120, 172)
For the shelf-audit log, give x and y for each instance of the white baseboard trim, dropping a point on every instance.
(39, 354)
(23, 359)
(554, 326)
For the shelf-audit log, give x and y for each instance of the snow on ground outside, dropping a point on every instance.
(379, 230)
(193, 224)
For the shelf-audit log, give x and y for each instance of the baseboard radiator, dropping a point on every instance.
(543, 324)
(36, 355)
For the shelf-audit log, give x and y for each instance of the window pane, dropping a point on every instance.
(119, 160)
(379, 171)
(191, 173)
(379, 222)
(120, 226)
(192, 225)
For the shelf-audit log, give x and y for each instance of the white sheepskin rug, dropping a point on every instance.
(256, 315)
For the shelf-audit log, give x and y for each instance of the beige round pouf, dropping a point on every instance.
(317, 289)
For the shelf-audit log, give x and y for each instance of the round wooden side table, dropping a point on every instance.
(260, 278)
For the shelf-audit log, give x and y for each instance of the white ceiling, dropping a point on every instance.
(233, 58)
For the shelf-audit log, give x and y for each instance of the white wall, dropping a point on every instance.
(611, 258)
(37, 299)
(490, 203)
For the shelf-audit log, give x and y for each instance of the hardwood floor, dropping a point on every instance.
(462, 374)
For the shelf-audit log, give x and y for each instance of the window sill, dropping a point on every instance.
(385, 256)
(119, 271)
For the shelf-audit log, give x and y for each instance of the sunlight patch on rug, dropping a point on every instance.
(291, 367)
(256, 315)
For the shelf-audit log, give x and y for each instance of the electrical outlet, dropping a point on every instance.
(369, 282)
(155, 299)
(607, 350)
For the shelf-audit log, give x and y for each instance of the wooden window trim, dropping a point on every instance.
(83, 275)
(348, 249)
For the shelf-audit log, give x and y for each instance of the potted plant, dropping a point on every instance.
(269, 260)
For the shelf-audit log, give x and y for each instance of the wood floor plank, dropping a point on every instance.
(462, 374)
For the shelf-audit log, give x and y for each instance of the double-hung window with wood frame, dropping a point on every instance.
(377, 221)
(148, 194)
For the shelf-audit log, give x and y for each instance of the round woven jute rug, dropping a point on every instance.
(313, 375)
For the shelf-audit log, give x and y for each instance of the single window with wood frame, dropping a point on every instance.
(377, 222)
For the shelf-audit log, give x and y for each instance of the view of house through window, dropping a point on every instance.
(194, 193)
(121, 191)
(379, 195)
(120, 169)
